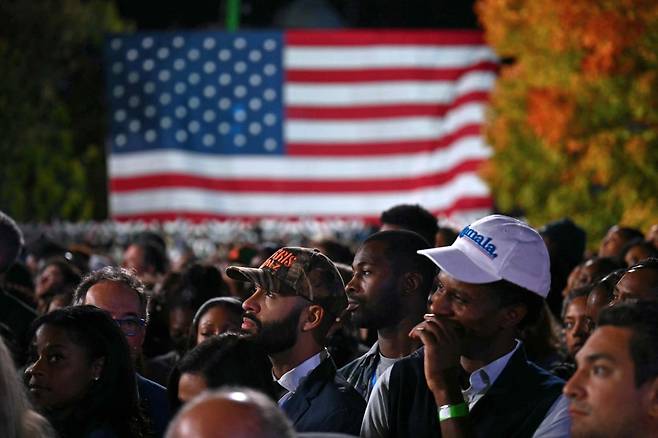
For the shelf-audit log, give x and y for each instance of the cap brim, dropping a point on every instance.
(251, 275)
(455, 263)
(259, 277)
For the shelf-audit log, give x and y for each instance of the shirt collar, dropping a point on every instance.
(482, 378)
(292, 379)
(374, 349)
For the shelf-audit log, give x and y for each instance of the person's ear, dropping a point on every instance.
(97, 368)
(652, 396)
(513, 315)
(314, 316)
(411, 281)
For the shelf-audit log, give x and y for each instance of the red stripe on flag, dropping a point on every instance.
(466, 203)
(381, 111)
(379, 37)
(460, 205)
(177, 180)
(385, 74)
(391, 148)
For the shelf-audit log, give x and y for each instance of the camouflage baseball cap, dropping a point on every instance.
(298, 271)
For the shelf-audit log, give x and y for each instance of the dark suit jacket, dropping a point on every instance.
(154, 399)
(325, 402)
(15, 320)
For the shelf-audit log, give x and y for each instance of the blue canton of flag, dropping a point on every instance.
(201, 92)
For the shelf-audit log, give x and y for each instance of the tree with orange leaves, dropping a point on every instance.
(573, 120)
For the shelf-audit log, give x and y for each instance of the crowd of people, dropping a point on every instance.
(416, 330)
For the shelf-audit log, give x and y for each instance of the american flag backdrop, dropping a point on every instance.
(324, 124)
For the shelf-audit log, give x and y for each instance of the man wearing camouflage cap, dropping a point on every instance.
(298, 295)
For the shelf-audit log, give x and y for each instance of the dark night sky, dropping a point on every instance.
(170, 14)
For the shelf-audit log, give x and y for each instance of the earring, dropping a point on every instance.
(96, 378)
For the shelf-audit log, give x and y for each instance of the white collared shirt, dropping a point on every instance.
(481, 379)
(291, 380)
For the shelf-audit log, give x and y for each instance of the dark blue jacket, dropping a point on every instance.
(359, 373)
(154, 400)
(325, 402)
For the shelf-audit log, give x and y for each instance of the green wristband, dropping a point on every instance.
(446, 412)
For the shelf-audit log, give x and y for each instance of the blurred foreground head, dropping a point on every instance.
(231, 413)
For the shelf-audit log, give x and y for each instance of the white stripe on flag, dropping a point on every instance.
(237, 167)
(384, 56)
(386, 92)
(398, 128)
(206, 201)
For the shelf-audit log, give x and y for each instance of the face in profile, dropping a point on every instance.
(47, 279)
(637, 284)
(60, 372)
(588, 273)
(273, 319)
(215, 321)
(612, 243)
(604, 398)
(572, 280)
(636, 253)
(373, 292)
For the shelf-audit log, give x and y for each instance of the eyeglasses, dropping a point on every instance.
(130, 326)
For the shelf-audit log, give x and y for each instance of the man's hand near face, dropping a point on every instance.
(441, 338)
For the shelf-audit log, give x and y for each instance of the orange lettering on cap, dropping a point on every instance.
(289, 260)
(272, 264)
(279, 255)
(282, 257)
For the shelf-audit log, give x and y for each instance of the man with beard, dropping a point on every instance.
(298, 296)
(388, 293)
(472, 377)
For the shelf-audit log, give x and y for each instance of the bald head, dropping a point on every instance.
(235, 413)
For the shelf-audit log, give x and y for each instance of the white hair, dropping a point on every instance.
(17, 419)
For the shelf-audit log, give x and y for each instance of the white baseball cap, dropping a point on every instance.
(496, 248)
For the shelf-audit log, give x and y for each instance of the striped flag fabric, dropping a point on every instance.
(296, 124)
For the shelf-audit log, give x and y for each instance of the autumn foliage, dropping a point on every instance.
(574, 116)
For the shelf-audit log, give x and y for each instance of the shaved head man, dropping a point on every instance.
(231, 413)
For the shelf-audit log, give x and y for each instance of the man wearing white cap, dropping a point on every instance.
(472, 377)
